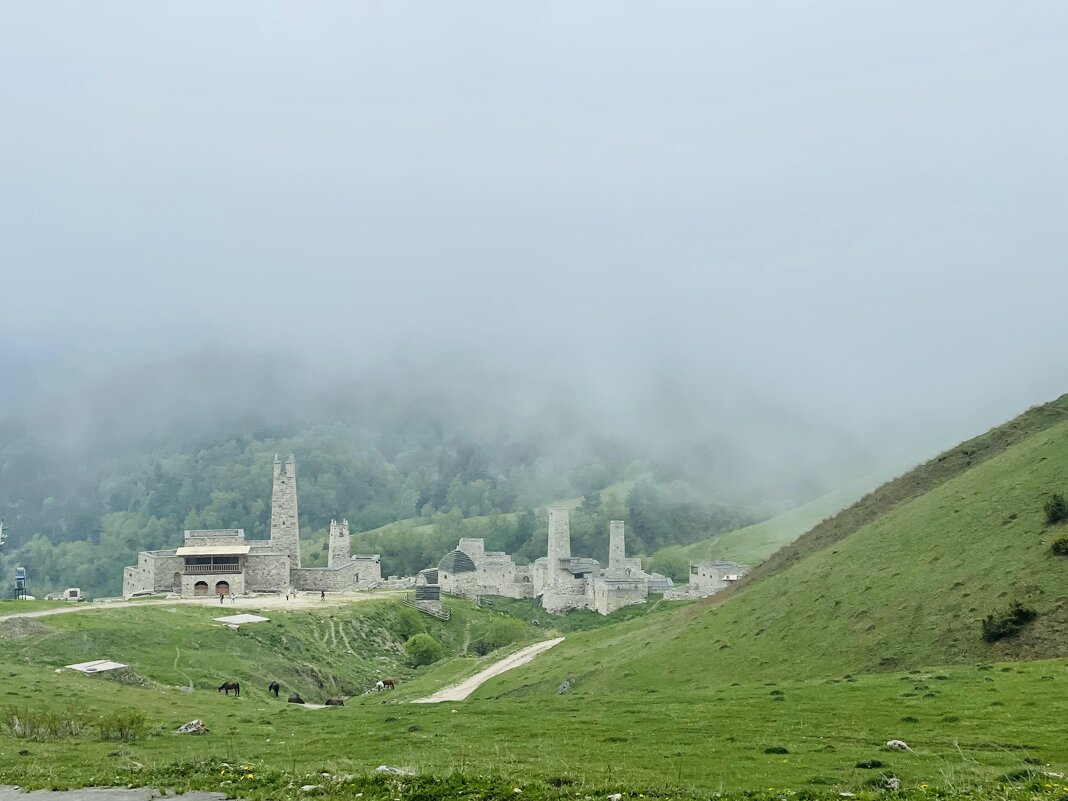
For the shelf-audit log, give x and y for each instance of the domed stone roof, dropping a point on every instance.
(456, 562)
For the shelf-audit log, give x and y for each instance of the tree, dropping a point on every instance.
(424, 650)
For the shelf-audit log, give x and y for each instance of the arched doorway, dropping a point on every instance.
(222, 588)
(176, 583)
(200, 588)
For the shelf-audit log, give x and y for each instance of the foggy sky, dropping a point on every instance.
(846, 216)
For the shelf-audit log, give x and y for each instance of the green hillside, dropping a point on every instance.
(751, 545)
(976, 731)
(907, 588)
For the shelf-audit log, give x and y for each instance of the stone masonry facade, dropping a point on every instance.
(223, 562)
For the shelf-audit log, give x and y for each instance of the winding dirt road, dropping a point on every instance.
(459, 692)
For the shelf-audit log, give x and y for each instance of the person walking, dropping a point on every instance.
(322, 595)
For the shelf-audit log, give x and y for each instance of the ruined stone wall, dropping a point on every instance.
(563, 597)
(368, 570)
(154, 572)
(267, 572)
(335, 579)
(609, 596)
(285, 530)
(475, 547)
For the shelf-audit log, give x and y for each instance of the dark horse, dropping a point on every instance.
(295, 699)
(231, 685)
(334, 702)
(273, 688)
(388, 684)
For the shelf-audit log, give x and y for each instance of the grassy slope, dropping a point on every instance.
(339, 651)
(753, 544)
(965, 725)
(905, 590)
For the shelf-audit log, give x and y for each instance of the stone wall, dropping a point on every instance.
(267, 572)
(612, 594)
(564, 596)
(154, 572)
(350, 576)
(285, 530)
(235, 580)
(220, 536)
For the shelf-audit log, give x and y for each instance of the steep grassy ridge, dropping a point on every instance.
(913, 484)
(907, 589)
(753, 544)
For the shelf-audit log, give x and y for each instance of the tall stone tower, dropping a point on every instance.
(285, 531)
(617, 549)
(340, 549)
(559, 544)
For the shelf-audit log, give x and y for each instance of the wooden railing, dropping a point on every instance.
(444, 614)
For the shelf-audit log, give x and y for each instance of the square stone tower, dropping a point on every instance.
(340, 549)
(617, 549)
(285, 530)
(559, 545)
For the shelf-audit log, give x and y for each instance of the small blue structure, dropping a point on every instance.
(20, 582)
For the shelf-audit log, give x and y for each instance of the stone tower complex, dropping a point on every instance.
(558, 580)
(559, 546)
(339, 549)
(617, 549)
(223, 562)
(285, 528)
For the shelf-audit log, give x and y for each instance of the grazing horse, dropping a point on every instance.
(334, 702)
(231, 685)
(388, 684)
(379, 685)
(273, 687)
(295, 699)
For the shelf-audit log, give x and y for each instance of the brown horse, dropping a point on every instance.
(334, 702)
(231, 685)
(295, 699)
(388, 684)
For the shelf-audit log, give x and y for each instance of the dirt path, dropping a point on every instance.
(304, 601)
(459, 692)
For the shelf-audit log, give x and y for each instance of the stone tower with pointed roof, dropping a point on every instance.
(285, 530)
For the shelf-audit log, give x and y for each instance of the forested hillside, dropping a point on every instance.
(74, 520)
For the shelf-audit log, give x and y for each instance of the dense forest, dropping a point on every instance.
(76, 522)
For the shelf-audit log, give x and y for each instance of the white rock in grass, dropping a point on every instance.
(898, 745)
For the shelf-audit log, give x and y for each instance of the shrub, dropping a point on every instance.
(125, 726)
(1056, 508)
(409, 623)
(423, 650)
(498, 634)
(999, 625)
(1060, 547)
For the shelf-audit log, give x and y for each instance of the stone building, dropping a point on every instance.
(222, 561)
(707, 578)
(559, 580)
